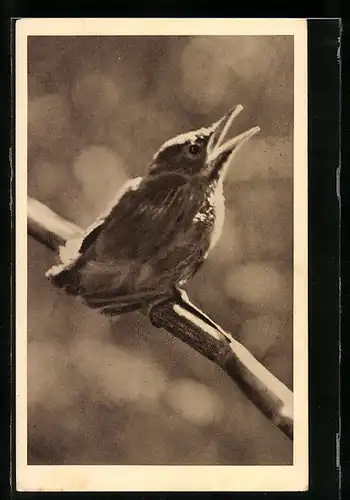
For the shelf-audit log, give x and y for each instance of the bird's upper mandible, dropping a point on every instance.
(202, 152)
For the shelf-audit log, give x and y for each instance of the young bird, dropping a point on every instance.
(158, 230)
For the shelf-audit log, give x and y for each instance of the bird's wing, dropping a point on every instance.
(117, 254)
(72, 252)
(147, 219)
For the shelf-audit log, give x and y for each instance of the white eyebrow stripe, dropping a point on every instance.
(183, 138)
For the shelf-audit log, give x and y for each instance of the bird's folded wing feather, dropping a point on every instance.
(147, 220)
(149, 217)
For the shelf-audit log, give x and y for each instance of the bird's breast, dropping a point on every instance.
(211, 215)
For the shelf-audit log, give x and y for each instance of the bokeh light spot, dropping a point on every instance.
(260, 285)
(48, 118)
(196, 402)
(95, 96)
(101, 174)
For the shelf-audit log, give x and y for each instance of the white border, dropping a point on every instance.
(167, 478)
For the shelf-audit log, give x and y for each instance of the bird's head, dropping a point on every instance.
(202, 152)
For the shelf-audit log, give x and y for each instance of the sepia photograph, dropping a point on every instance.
(161, 223)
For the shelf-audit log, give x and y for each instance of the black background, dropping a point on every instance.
(323, 282)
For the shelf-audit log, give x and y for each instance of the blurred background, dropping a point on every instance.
(123, 392)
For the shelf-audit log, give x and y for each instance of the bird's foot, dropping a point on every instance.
(188, 305)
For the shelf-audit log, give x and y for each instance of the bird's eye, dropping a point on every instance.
(194, 149)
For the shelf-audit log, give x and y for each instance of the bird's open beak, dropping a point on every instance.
(219, 151)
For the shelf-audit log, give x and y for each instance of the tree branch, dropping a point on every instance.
(192, 326)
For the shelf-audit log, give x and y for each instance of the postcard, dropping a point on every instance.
(161, 255)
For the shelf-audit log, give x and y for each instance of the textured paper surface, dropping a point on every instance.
(167, 478)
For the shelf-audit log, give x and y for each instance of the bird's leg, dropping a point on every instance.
(184, 300)
(156, 302)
